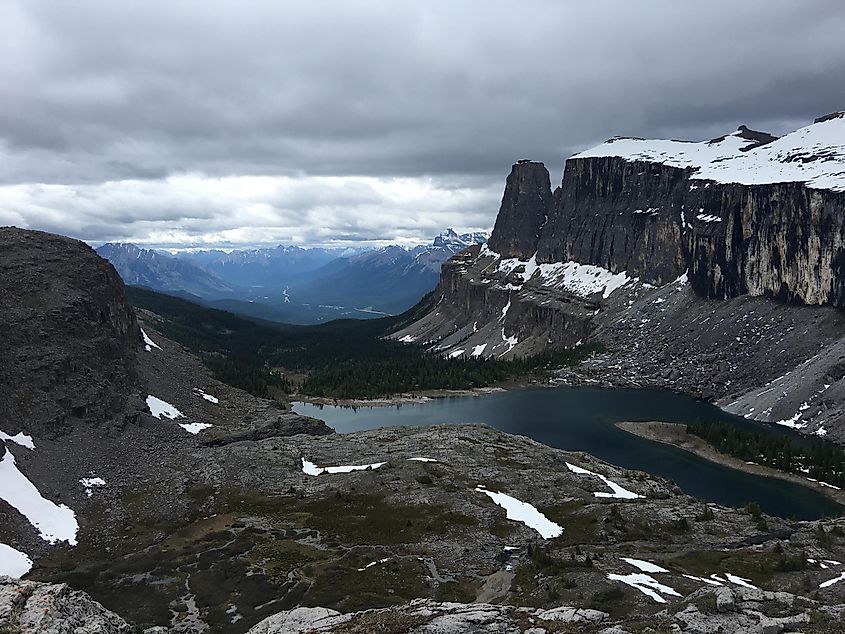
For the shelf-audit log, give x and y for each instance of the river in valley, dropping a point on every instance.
(583, 419)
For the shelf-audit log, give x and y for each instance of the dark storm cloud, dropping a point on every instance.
(98, 93)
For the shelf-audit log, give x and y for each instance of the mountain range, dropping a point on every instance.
(140, 494)
(294, 284)
(173, 501)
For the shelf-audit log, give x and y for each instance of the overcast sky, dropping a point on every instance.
(244, 123)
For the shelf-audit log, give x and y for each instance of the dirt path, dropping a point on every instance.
(676, 434)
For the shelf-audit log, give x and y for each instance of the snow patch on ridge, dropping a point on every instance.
(583, 280)
(13, 563)
(194, 428)
(55, 522)
(618, 491)
(643, 566)
(309, 468)
(162, 409)
(89, 483)
(149, 344)
(814, 155)
(649, 586)
(477, 351)
(207, 397)
(525, 513)
(20, 439)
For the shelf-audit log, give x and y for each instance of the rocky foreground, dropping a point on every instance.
(361, 522)
(55, 609)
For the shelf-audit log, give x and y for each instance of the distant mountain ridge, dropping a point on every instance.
(161, 271)
(291, 283)
(390, 279)
(272, 267)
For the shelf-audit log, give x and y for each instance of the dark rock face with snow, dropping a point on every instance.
(93, 406)
(745, 213)
(525, 208)
(619, 215)
(780, 240)
(641, 237)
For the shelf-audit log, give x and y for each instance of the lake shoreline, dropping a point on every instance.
(676, 435)
(416, 398)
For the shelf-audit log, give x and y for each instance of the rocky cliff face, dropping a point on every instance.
(524, 211)
(69, 336)
(641, 228)
(746, 214)
(619, 215)
(780, 240)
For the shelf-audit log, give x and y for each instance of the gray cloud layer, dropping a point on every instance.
(445, 93)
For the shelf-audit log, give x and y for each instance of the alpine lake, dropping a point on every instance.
(584, 419)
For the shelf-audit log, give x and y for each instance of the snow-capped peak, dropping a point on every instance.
(814, 155)
(451, 239)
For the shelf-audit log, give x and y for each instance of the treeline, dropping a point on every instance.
(804, 457)
(373, 378)
(258, 381)
(341, 359)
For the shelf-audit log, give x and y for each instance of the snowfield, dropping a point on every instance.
(525, 513)
(583, 280)
(89, 483)
(194, 428)
(19, 439)
(478, 350)
(374, 563)
(162, 409)
(740, 581)
(830, 582)
(711, 582)
(207, 397)
(149, 344)
(646, 584)
(55, 522)
(13, 563)
(309, 468)
(814, 155)
(618, 491)
(643, 566)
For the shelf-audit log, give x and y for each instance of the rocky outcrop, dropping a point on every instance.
(524, 210)
(54, 608)
(724, 610)
(69, 335)
(77, 378)
(422, 616)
